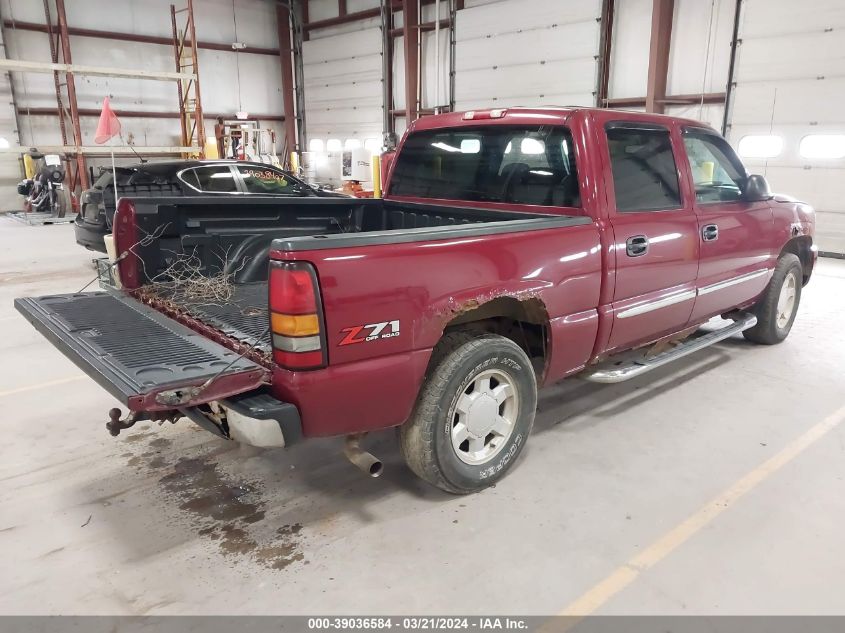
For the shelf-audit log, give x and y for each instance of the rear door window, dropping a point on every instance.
(531, 165)
(264, 180)
(645, 175)
(216, 179)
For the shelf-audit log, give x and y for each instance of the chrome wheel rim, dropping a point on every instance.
(786, 301)
(483, 416)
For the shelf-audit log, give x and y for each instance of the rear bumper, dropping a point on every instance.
(90, 235)
(368, 395)
(255, 418)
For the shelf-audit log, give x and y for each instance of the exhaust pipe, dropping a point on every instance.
(367, 462)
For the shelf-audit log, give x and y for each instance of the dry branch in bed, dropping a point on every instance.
(184, 283)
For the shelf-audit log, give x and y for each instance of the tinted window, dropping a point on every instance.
(216, 179)
(268, 181)
(517, 164)
(716, 171)
(645, 177)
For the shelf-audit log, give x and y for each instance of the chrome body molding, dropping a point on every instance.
(686, 295)
(671, 300)
(727, 283)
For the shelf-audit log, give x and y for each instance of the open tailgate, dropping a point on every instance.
(146, 360)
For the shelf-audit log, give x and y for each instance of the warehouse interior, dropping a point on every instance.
(712, 486)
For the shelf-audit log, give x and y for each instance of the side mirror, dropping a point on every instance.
(756, 189)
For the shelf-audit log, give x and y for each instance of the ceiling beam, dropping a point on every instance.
(142, 114)
(688, 99)
(18, 65)
(135, 37)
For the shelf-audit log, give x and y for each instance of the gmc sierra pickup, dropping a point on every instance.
(513, 248)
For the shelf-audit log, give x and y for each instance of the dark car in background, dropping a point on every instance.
(180, 178)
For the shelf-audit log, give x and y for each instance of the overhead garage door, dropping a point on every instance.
(790, 80)
(343, 89)
(527, 52)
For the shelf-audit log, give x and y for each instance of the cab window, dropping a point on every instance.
(717, 173)
(517, 164)
(645, 176)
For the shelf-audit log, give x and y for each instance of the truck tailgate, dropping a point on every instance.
(146, 360)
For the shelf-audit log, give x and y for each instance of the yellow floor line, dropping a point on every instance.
(41, 385)
(595, 598)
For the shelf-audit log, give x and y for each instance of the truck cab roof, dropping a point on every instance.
(550, 115)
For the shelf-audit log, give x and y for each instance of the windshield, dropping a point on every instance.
(532, 165)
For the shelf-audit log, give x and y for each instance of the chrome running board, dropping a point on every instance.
(639, 366)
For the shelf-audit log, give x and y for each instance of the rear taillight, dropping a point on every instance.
(296, 318)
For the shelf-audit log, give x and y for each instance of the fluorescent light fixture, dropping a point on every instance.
(760, 146)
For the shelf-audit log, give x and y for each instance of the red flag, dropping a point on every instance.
(109, 124)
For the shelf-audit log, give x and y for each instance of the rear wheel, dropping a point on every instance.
(473, 415)
(778, 306)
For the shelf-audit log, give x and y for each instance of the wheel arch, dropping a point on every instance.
(525, 321)
(801, 247)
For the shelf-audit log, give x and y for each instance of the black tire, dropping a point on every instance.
(426, 438)
(767, 331)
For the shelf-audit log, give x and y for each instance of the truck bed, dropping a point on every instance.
(243, 318)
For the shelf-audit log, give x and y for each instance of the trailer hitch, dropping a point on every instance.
(115, 425)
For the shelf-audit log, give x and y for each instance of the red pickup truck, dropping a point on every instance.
(513, 248)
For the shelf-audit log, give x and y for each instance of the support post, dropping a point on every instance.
(605, 46)
(411, 32)
(288, 96)
(658, 58)
(81, 169)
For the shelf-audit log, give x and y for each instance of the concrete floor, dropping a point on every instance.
(171, 520)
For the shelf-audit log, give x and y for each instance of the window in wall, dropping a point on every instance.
(532, 165)
(352, 143)
(216, 179)
(334, 145)
(645, 176)
(268, 181)
(373, 145)
(717, 173)
(760, 146)
(822, 146)
(315, 145)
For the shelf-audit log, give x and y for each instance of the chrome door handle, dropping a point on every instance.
(636, 245)
(710, 232)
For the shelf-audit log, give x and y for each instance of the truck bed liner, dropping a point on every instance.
(243, 318)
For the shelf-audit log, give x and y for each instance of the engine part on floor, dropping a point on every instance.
(367, 462)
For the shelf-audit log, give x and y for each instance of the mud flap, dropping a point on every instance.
(146, 360)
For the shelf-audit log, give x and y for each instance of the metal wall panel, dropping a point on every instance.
(527, 52)
(343, 87)
(790, 80)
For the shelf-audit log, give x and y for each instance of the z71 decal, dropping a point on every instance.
(371, 332)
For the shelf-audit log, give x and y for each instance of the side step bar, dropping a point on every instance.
(637, 367)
